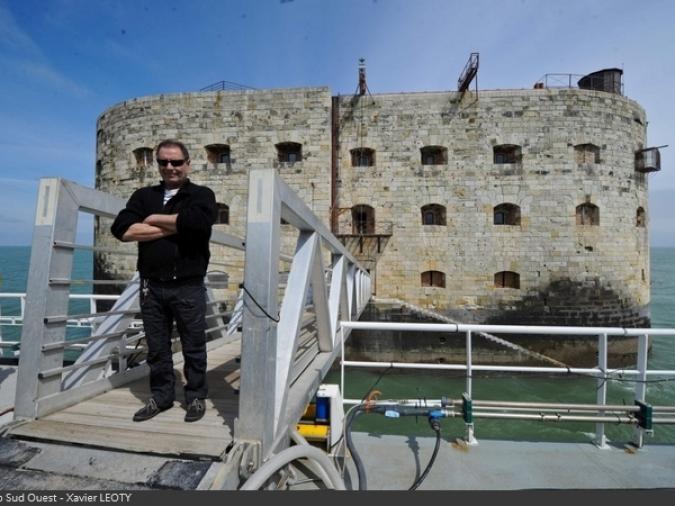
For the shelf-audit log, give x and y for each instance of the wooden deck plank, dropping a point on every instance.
(136, 441)
(105, 421)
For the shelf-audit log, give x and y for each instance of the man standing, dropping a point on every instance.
(172, 224)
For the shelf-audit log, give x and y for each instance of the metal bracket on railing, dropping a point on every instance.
(644, 416)
(467, 408)
(250, 460)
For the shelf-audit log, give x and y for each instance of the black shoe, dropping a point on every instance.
(195, 410)
(148, 411)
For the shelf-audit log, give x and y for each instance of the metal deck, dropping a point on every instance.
(392, 463)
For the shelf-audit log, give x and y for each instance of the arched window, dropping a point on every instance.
(433, 214)
(433, 278)
(363, 219)
(506, 214)
(143, 157)
(507, 279)
(363, 157)
(223, 214)
(587, 153)
(507, 153)
(434, 155)
(289, 152)
(640, 217)
(218, 153)
(588, 214)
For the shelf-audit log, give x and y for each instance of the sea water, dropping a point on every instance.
(14, 262)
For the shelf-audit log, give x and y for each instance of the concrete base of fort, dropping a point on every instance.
(437, 347)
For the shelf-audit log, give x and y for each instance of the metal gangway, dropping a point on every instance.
(267, 356)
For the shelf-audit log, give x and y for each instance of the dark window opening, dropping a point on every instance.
(289, 152)
(507, 279)
(223, 214)
(363, 220)
(433, 278)
(507, 153)
(640, 217)
(588, 214)
(363, 157)
(507, 214)
(218, 153)
(434, 155)
(587, 153)
(143, 157)
(433, 214)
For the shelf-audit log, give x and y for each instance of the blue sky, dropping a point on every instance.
(65, 61)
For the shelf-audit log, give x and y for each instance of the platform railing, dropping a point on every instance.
(112, 354)
(277, 380)
(641, 374)
(17, 319)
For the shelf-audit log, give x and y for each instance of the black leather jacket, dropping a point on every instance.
(179, 256)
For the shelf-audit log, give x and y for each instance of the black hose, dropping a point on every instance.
(404, 411)
(360, 471)
(437, 429)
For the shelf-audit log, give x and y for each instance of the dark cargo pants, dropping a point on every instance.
(184, 302)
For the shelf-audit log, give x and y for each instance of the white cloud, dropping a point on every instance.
(47, 75)
(22, 55)
(12, 36)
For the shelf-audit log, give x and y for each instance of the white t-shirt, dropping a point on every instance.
(169, 193)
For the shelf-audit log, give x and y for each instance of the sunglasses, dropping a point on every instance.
(174, 163)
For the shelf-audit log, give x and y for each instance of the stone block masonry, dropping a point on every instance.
(571, 253)
(568, 273)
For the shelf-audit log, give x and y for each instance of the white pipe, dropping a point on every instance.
(524, 404)
(507, 329)
(557, 418)
(288, 455)
(559, 411)
(496, 368)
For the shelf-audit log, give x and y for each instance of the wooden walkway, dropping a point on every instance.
(106, 421)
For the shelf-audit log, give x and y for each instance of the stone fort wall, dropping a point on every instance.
(566, 149)
(251, 123)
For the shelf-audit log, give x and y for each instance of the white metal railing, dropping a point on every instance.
(601, 372)
(281, 369)
(17, 319)
(282, 361)
(44, 383)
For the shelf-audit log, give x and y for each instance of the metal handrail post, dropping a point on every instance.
(468, 364)
(469, 435)
(259, 332)
(342, 361)
(641, 384)
(601, 392)
(55, 220)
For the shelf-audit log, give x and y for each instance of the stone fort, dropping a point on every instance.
(523, 206)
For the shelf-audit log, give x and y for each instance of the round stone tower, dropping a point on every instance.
(514, 206)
